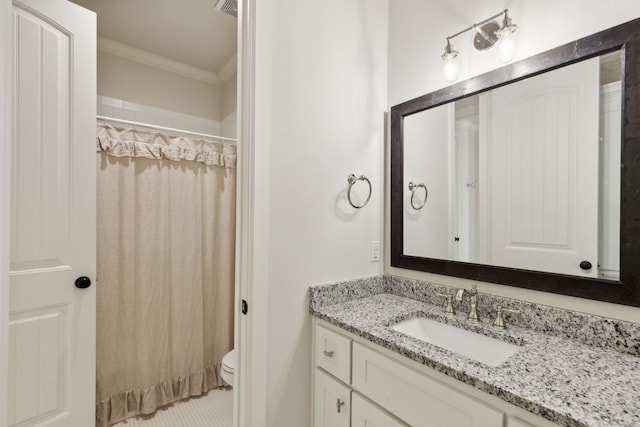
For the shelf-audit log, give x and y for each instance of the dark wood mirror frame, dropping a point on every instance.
(624, 37)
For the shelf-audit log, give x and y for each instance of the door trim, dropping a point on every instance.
(6, 118)
(250, 406)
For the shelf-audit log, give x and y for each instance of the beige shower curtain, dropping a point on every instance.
(165, 281)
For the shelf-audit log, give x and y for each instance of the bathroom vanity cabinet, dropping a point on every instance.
(358, 383)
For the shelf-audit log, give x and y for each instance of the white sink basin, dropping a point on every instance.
(487, 350)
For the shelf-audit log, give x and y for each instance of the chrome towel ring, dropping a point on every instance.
(413, 188)
(352, 179)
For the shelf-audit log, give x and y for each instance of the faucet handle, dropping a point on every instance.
(499, 322)
(449, 307)
(472, 292)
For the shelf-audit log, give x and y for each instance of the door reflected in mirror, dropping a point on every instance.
(523, 176)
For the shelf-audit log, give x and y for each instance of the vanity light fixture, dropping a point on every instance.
(488, 34)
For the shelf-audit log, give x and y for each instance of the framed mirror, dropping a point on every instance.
(528, 175)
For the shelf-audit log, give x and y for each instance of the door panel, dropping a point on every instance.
(51, 322)
(41, 174)
(41, 340)
(544, 153)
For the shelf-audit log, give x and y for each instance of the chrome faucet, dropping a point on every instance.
(473, 299)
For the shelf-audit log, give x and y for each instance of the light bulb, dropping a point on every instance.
(507, 48)
(450, 70)
(505, 34)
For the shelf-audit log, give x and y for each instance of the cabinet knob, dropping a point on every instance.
(339, 404)
(328, 354)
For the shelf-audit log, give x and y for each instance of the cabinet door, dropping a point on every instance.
(366, 414)
(332, 402)
(416, 398)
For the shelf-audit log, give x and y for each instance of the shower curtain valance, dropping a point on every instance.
(129, 142)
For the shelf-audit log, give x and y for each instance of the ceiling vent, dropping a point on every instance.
(229, 7)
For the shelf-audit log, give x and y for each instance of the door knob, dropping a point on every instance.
(585, 265)
(83, 282)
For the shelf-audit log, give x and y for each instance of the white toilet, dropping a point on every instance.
(228, 366)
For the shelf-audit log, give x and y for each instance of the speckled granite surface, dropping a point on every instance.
(556, 374)
(592, 330)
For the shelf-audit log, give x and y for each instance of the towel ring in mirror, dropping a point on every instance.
(413, 188)
(352, 179)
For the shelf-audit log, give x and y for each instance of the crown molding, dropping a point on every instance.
(162, 62)
(228, 70)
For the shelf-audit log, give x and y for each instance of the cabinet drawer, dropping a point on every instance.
(332, 402)
(416, 398)
(333, 353)
(514, 422)
(366, 414)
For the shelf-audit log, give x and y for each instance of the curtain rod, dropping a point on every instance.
(147, 125)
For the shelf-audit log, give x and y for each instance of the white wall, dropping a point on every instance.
(427, 138)
(417, 33)
(320, 85)
(126, 110)
(228, 115)
(131, 81)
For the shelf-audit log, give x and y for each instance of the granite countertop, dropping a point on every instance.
(563, 380)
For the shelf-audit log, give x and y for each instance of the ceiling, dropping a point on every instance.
(187, 31)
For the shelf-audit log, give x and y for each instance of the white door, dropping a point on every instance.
(52, 243)
(544, 163)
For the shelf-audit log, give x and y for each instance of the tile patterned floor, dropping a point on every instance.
(213, 410)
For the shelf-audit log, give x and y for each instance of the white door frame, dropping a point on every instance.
(250, 393)
(6, 118)
(250, 340)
